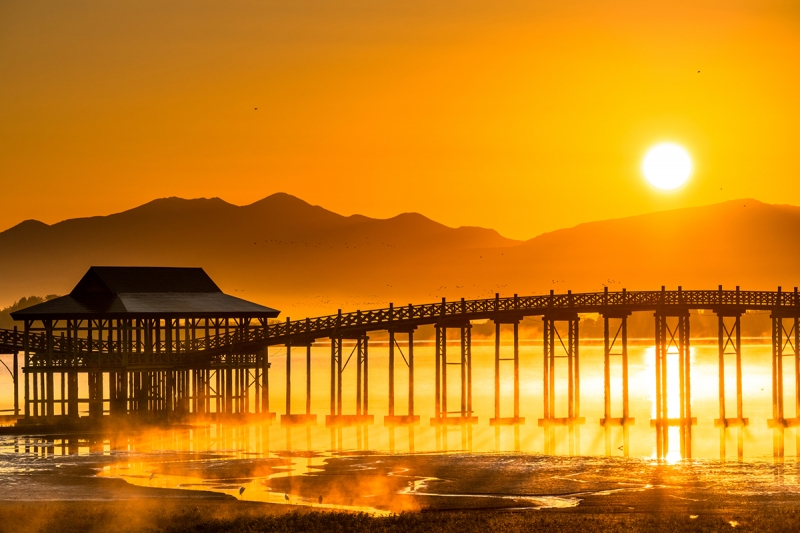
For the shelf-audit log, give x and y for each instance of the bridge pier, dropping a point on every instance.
(514, 420)
(264, 364)
(442, 416)
(306, 419)
(729, 331)
(13, 340)
(620, 337)
(785, 343)
(338, 364)
(409, 419)
(550, 421)
(673, 337)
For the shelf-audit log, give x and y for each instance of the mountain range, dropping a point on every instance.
(306, 260)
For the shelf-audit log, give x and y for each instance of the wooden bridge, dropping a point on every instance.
(202, 366)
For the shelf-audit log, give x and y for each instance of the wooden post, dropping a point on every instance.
(659, 400)
(516, 371)
(796, 343)
(777, 375)
(686, 423)
(308, 378)
(469, 370)
(366, 378)
(391, 372)
(48, 390)
(682, 407)
(463, 371)
(437, 397)
(339, 376)
(607, 382)
(288, 377)
(16, 378)
(606, 371)
(359, 363)
(546, 369)
(411, 373)
(26, 356)
(496, 369)
(229, 384)
(333, 377)
(721, 343)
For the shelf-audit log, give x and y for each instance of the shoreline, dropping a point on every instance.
(174, 515)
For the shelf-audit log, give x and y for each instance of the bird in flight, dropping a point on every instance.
(241, 491)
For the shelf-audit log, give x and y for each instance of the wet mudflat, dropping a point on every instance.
(162, 490)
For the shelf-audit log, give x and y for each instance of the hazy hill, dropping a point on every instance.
(304, 259)
(741, 242)
(279, 250)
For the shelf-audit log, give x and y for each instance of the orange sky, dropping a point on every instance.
(521, 116)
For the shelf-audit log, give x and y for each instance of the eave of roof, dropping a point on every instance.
(147, 305)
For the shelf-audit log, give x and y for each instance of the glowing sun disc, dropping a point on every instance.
(667, 166)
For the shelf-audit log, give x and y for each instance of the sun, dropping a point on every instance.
(667, 166)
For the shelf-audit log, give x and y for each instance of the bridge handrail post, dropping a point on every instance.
(624, 295)
(569, 298)
(680, 295)
(410, 311)
(496, 302)
(516, 302)
(444, 307)
(463, 306)
(605, 295)
(738, 295)
(391, 311)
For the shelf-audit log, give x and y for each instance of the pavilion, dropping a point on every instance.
(135, 341)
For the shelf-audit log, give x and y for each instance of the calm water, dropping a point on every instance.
(225, 459)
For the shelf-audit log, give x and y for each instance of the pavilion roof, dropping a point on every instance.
(145, 292)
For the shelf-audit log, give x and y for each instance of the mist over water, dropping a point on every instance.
(283, 464)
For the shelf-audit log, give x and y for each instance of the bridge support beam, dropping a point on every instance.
(464, 416)
(785, 343)
(516, 419)
(729, 332)
(570, 349)
(296, 419)
(338, 365)
(393, 419)
(16, 379)
(671, 337)
(615, 336)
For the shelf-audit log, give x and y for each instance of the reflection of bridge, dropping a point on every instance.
(217, 367)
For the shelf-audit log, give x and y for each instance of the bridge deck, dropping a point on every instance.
(247, 339)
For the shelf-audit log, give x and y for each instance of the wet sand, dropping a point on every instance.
(423, 492)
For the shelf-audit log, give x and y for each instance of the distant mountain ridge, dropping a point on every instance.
(306, 260)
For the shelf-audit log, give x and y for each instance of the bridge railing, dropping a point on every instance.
(323, 326)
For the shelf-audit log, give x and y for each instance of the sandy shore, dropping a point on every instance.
(199, 514)
(449, 493)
